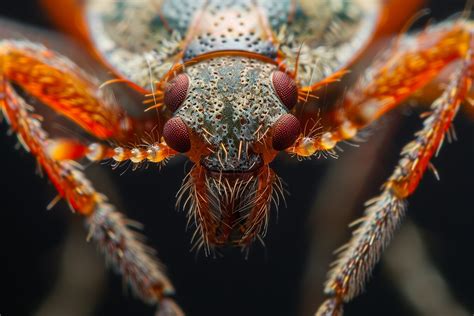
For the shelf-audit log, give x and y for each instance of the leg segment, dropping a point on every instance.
(108, 228)
(68, 149)
(383, 214)
(410, 64)
(61, 85)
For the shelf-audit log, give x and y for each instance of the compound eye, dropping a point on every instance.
(176, 135)
(285, 132)
(176, 91)
(286, 88)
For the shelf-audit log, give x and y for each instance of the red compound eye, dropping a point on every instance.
(285, 132)
(285, 88)
(176, 91)
(176, 135)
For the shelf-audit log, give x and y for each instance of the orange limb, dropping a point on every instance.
(113, 232)
(69, 149)
(67, 180)
(61, 85)
(384, 213)
(410, 64)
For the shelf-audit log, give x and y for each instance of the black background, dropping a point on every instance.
(268, 282)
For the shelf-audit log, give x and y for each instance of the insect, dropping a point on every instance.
(235, 83)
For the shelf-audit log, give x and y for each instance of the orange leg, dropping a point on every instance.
(57, 83)
(69, 149)
(411, 63)
(384, 213)
(61, 85)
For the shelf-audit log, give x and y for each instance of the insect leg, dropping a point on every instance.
(384, 213)
(113, 233)
(411, 63)
(70, 149)
(59, 84)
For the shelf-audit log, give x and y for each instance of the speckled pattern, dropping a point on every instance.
(325, 35)
(143, 39)
(243, 25)
(230, 98)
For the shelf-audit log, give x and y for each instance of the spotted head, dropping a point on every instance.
(231, 116)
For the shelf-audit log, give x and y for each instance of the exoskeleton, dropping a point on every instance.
(231, 84)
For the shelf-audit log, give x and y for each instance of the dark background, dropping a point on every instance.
(270, 281)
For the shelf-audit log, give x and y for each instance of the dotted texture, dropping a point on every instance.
(231, 100)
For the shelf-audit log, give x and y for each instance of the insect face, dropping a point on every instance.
(232, 122)
(232, 104)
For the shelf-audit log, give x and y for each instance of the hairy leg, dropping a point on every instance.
(57, 83)
(384, 213)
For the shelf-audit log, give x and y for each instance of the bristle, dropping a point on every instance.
(356, 259)
(125, 251)
(217, 206)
